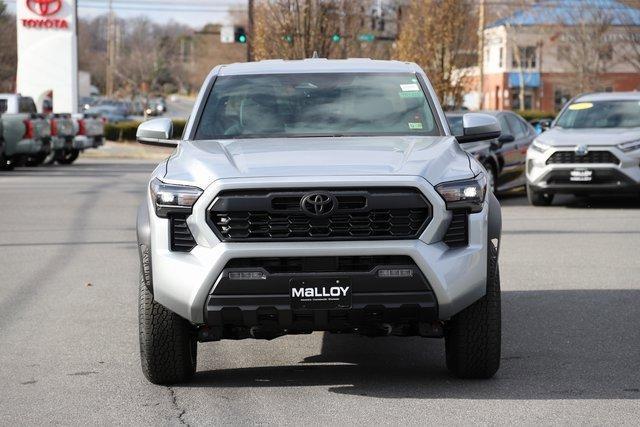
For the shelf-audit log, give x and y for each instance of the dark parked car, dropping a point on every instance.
(504, 157)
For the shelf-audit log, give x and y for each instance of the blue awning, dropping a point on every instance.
(530, 79)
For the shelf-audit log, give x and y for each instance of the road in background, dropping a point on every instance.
(68, 325)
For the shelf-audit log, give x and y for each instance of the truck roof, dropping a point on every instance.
(609, 96)
(318, 65)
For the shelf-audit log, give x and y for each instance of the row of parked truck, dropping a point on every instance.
(31, 139)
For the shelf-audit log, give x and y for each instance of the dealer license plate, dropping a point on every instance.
(320, 293)
(581, 175)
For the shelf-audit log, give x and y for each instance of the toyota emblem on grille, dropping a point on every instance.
(318, 203)
(582, 150)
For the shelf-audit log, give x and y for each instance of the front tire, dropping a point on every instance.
(473, 336)
(68, 156)
(538, 198)
(5, 163)
(168, 344)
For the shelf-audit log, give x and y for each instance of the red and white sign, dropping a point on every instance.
(45, 11)
(48, 52)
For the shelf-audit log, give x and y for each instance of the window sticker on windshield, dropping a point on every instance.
(410, 94)
(411, 87)
(415, 125)
(580, 106)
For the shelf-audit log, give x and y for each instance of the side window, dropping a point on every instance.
(3, 106)
(504, 126)
(519, 131)
(26, 105)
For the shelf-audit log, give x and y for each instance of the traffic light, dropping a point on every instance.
(239, 35)
(336, 38)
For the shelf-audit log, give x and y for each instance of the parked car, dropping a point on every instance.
(111, 113)
(503, 157)
(26, 134)
(318, 195)
(593, 147)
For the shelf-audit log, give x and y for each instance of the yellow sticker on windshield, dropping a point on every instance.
(581, 106)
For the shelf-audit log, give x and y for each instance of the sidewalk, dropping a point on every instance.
(128, 150)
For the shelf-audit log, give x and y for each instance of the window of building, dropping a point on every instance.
(527, 56)
(560, 97)
(606, 54)
(515, 100)
(500, 56)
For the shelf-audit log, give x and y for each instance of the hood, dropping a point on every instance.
(559, 137)
(201, 162)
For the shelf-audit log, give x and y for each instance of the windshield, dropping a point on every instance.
(327, 104)
(601, 114)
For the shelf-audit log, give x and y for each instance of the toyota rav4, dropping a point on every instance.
(318, 195)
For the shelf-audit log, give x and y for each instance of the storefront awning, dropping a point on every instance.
(530, 79)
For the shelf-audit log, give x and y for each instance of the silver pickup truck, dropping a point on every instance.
(26, 135)
(63, 133)
(89, 133)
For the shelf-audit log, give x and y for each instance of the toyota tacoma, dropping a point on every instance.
(318, 195)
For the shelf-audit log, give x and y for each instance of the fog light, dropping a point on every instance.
(247, 275)
(399, 272)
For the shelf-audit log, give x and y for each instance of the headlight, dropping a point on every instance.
(539, 146)
(629, 146)
(465, 194)
(169, 198)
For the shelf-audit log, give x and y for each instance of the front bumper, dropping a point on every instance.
(605, 177)
(184, 282)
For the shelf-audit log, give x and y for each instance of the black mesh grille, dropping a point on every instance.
(376, 213)
(590, 157)
(321, 264)
(458, 232)
(181, 238)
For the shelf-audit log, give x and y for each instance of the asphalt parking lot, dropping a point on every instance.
(68, 325)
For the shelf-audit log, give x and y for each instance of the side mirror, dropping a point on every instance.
(478, 127)
(156, 132)
(505, 137)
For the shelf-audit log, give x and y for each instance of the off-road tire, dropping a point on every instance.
(68, 156)
(537, 198)
(473, 336)
(36, 160)
(168, 344)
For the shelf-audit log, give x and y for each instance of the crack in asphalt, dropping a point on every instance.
(174, 403)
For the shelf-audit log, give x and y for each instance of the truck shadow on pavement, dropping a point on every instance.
(566, 344)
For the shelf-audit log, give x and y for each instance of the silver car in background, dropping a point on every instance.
(593, 147)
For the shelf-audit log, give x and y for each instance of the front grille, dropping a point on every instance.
(590, 157)
(339, 264)
(181, 238)
(374, 213)
(458, 232)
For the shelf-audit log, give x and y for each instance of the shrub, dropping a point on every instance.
(530, 115)
(126, 131)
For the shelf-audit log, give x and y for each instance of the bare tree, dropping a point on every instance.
(294, 29)
(440, 36)
(585, 31)
(8, 50)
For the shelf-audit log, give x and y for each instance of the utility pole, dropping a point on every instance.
(481, 53)
(250, 31)
(111, 51)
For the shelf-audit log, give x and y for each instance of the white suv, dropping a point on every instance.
(592, 147)
(318, 195)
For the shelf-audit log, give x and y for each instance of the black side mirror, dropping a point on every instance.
(505, 137)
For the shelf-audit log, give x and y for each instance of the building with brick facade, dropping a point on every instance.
(534, 51)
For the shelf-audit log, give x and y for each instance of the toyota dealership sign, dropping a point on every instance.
(47, 52)
(45, 12)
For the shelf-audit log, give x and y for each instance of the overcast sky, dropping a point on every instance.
(195, 13)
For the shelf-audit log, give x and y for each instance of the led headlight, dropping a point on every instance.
(629, 146)
(169, 198)
(464, 194)
(539, 146)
